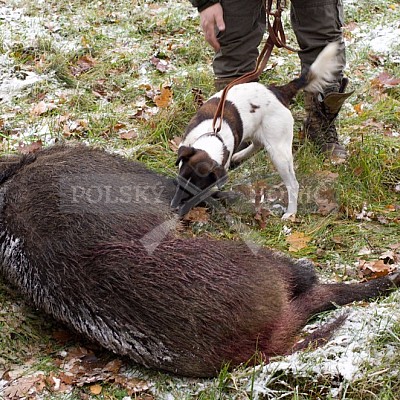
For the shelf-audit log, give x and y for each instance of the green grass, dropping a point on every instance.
(93, 105)
(22, 331)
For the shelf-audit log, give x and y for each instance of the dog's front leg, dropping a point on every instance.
(283, 161)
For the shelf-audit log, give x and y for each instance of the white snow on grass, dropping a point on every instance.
(378, 35)
(384, 38)
(12, 86)
(381, 39)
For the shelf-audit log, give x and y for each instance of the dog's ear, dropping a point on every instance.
(184, 153)
(220, 175)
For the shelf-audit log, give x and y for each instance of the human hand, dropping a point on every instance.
(210, 18)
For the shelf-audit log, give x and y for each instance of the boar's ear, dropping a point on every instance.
(220, 175)
(184, 153)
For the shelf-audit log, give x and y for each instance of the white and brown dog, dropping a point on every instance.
(253, 113)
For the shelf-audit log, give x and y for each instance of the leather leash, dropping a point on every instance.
(276, 37)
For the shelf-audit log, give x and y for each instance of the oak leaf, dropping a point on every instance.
(297, 241)
(197, 214)
(374, 269)
(95, 389)
(164, 99)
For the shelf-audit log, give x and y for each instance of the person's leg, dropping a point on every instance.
(245, 23)
(316, 23)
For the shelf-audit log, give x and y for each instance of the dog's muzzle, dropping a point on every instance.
(188, 195)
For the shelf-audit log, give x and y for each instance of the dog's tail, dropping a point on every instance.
(322, 71)
(315, 79)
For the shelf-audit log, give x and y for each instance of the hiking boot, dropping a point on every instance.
(319, 126)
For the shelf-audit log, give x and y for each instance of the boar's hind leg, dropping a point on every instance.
(323, 297)
(318, 298)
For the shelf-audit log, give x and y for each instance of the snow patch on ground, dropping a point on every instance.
(384, 39)
(11, 86)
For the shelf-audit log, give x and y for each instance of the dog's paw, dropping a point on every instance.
(235, 161)
(289, 217)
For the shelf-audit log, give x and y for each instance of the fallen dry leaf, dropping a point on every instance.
(95, 389)
(197, 214)
(161, 65)
(325, 196)
(297, 241)
(164, 99)
(371, 122)
(261, 217)
(118, 126)
(128, 135)
(364, 251)
(42, 107)
(67, 377)
(358, 108)
(388, 257)
(132, 385)
(337, 239)
(174, 143)
(76, 367)
(83, 64)
(390, 208)
(374, 269)
(20, 387)
(326, 206)
(351, 26)
(75, 127)
(327, 175)
(140, 113)
(376, 59)
(386, 80)
(30, 148)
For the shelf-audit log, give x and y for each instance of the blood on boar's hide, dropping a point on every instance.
(89, 238)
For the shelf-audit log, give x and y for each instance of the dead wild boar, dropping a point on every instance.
(89, 238)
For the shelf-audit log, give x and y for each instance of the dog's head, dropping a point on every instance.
(197, 172)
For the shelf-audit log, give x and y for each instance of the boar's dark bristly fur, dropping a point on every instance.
(187, 306)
